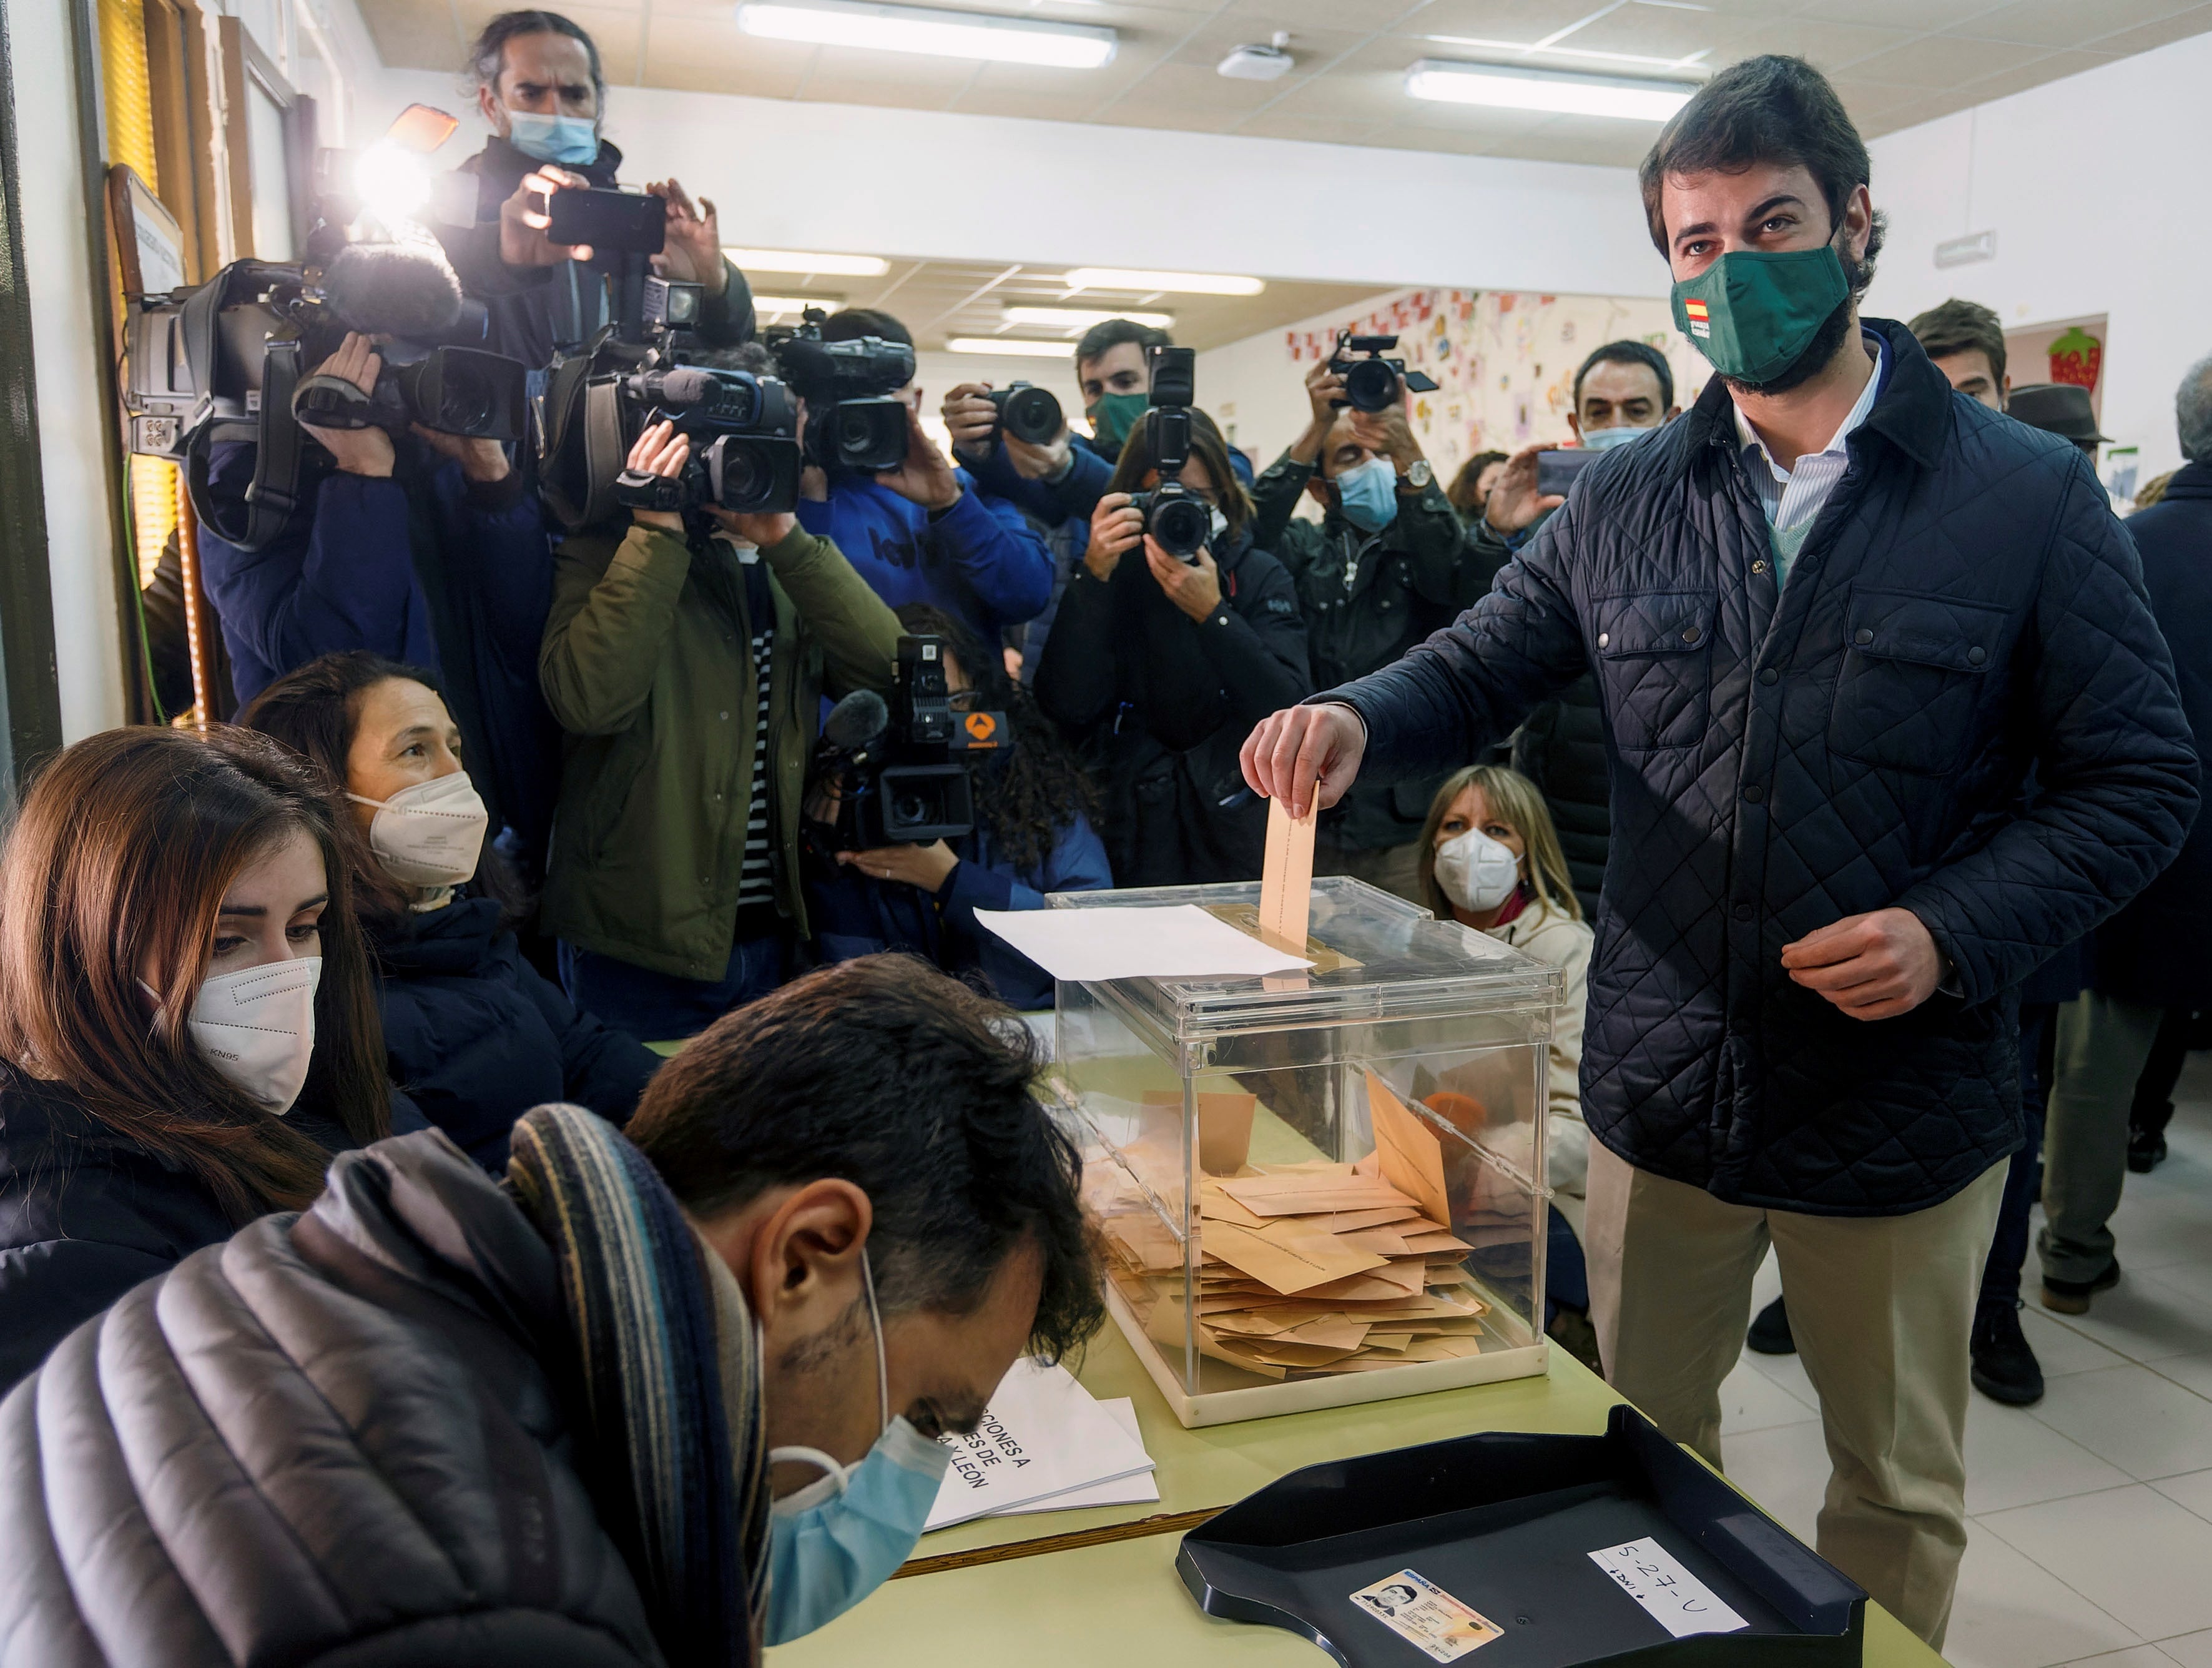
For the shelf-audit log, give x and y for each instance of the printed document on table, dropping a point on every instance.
(1140, 1489)
(1181, 941)
(1042, 1434)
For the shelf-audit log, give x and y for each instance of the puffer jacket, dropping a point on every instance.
(1368, 598)
(340, 1439)
(1965, 606)
(476, 1035)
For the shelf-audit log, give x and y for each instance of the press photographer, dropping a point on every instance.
(1175, 628)
(686, 656)
(915, 527)
(539, 86)
(1387, 564)
(353, 471)
(1030, 831)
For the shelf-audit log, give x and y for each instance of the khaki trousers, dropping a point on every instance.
(2102, 1044)
(1881, 1308)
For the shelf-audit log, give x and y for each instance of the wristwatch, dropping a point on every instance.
(1418, 476)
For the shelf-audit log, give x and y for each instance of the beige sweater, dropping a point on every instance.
(1546, 934)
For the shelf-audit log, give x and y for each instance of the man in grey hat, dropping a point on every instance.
(2060, 409)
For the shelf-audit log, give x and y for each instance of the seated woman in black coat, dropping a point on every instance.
(187, 1025)
(473, 1034)
(1160, 668)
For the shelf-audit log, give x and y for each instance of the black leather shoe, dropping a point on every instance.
(2071, 1296)
(2146, 1151)
(2005, 1369)
(1770, 1331)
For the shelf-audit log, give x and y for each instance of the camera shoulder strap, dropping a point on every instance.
(274, 492)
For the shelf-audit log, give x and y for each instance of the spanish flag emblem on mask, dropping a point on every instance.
(1700, 325)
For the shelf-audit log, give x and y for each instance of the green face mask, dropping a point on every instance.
(1114, 414)
(1752, 313)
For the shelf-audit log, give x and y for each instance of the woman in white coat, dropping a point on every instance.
(1491, 860)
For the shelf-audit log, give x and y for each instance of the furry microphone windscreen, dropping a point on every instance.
(402, 290)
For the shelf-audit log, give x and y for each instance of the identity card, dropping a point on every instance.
(1416, 1609)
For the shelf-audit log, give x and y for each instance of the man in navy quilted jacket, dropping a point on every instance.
(1836, 614)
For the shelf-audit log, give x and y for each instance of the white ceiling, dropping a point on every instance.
(1896, 62)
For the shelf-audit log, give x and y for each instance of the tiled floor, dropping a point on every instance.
(2090, 1537)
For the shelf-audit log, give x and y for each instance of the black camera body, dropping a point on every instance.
(903, 777)
(1028, 413)
(230, 361)
(743, 432)
(853, 423)
(1175, 518)
(1374, 384)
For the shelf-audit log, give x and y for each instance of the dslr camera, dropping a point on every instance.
(853, 423)
(1028, 413)
(898, 765)
(1374, 384)
(228, 361)
(1178, 518)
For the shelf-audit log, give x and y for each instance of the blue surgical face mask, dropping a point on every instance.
(844, 1535)
(1604, 440)
(1369, 495)
(570, 140)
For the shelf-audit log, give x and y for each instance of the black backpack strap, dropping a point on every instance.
(274, 494)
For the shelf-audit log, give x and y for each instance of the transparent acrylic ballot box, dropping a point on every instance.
(1323, 1187)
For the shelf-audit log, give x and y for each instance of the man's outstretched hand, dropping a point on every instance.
(1301, 750)
(1872, 966)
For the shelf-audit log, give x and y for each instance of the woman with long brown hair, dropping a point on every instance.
(472, 1032)
(1159, 665)
(187, 1027)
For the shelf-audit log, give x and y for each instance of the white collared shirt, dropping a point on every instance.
(1793, 497)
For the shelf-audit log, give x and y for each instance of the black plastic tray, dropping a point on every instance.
(1505, 1522)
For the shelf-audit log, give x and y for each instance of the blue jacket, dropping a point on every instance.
(424, 567)
(476, 1035)
(1070, 498)
(854, 915)
(979, 561)
(1965, 606)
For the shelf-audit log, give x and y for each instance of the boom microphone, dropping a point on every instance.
(856, 720)
(405, 290)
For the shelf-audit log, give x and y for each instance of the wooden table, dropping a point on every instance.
(1098, 1588)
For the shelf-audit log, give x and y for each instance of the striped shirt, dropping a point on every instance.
(756, 879)
(1793, 497)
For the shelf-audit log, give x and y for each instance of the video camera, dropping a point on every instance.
(852, 421)
(1028, 413)
(744, 457)
(897, 764)
(1374, 384)
(1178, 518)
(228, 361)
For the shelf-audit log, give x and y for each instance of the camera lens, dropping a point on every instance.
(1180, 525)
(1371, 384)
(1032, 415)
(909, 811)
(465, 402)
(744, 476)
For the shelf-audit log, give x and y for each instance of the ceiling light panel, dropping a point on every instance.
(771, 306)
(1152, 284)
(1011, 347)
(1523, 87)
(886, 29)
(1077, 318)
(798, 260)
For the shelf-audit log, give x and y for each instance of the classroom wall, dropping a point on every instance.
(953, 187)
(2094, 186)
(1505, 361)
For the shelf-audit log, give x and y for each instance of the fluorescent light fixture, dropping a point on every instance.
(772, 305)
(1079, 318)
(1147, 283)
(1523, 87)
(1011, 347)
(797, 260)
(937, 34)
(1520, 49)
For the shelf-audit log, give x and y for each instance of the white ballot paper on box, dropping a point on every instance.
(1181, 941)
(1044, 1434)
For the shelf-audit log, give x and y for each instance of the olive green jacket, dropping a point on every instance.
(647, 664)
